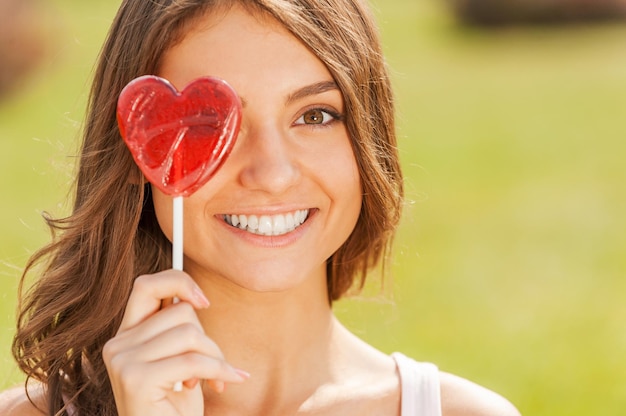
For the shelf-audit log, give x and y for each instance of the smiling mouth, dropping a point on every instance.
(268, 224)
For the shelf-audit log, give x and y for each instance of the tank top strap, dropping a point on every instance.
(421, 393)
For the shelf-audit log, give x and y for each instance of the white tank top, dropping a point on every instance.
(421, 394)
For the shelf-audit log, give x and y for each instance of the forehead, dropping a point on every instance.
(241, 46)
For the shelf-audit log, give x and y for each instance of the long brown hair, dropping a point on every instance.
(87, 272)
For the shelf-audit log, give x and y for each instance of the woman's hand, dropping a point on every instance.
(156, 347)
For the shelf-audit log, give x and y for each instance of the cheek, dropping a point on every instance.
(356, 196)
(345, 174)
(352, 189)
(355, 187)
(351, 175)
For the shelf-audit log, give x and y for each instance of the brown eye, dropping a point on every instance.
(317, 116)
(313, 117)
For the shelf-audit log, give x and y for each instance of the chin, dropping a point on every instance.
(268, 283)
(277, 278)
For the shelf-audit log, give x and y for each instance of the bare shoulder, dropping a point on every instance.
(463, 397)
(15, 402)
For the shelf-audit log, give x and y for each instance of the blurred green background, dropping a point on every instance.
(510, 264)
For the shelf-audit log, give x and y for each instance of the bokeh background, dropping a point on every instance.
(510, 265)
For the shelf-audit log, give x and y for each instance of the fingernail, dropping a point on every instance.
(200, 297)
(243, 374)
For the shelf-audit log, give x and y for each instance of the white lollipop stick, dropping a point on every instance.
(177, 249)
(177, 243)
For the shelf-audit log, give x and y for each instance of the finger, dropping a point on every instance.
(150, 290)
(179, 340)
(170, 317)
(127, 373)
(191, 366)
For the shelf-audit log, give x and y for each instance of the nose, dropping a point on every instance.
(270, 160)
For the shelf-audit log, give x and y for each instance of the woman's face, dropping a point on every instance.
(289, 194)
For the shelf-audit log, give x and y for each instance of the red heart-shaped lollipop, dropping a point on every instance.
(179, 140)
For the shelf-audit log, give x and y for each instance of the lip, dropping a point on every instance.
(271, 241)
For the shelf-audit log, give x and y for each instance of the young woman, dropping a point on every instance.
(99, 333)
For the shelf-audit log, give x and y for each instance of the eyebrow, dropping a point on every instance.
(306, 91)
(313, 89)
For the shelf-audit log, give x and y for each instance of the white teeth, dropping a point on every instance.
(289, 221)
(268, 224)
(253, 222)
(265, 225)
(279, 225)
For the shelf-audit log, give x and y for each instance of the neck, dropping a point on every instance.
(274, 326)
(283, 339)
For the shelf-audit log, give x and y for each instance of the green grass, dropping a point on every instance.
(510, 264)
